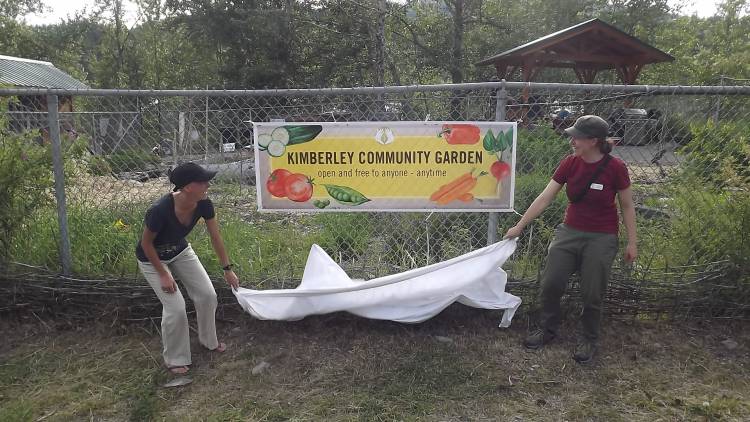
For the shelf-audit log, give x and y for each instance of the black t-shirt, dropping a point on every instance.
(170, 233)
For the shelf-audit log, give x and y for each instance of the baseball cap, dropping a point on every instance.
(189, 172)
(589, 126)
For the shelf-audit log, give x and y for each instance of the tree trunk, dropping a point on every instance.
(457, 58)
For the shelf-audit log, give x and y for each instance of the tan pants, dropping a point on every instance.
(175, 333)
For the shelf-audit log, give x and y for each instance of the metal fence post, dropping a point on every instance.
(58, 167)
(501, 100)
(718, 102)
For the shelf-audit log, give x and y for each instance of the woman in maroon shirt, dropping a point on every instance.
(587, 240)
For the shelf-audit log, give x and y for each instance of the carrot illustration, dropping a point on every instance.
(467, 197)
(447, 187)
(458, 189)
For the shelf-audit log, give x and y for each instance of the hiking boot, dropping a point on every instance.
(585, 351)
(538, 338)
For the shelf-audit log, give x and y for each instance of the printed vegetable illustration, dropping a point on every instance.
(500, 169)
(346, 195)
(293, 135)
(275, 182)
(457, 189)
(287, 135)
(298, 187)
(264, 139)
(467, 197)
(460, 134)
(321, 204)
(495, 144)
(276, 148)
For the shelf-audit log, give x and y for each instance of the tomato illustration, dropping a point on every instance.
(500, 169)
(298, 187)
(275, 182)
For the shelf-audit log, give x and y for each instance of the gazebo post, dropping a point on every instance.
(528, 71)
(502, 71)
(528, 76)
(585, 75)
(629, 75)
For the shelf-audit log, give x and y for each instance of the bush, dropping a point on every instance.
(346, 235)
(99, 166)
(25, 180)
(719, 155)
(710, 227)
(676, 128)
(540, 151)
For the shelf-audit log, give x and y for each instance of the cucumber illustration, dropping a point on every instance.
(303, 133)
(280, 134)
(293, 135)
(275, 148)
(264, 139)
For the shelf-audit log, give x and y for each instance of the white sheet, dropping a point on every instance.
(474, 279)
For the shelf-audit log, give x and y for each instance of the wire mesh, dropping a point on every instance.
(686, 149)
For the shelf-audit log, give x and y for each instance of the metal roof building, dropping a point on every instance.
(20, 72)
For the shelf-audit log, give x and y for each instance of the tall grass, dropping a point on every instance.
(103, 243)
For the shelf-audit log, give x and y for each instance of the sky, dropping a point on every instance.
(64, 8)
(60, 9)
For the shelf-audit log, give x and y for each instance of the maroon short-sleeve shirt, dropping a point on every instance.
(597, 211)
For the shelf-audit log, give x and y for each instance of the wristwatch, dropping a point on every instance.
(228, 267)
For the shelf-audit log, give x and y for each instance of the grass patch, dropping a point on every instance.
(342, 368)
(58, 377)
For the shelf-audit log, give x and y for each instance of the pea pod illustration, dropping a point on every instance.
(346, 195)
(321, 204)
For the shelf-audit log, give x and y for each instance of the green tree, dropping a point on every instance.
(704, 49)
(12, 9)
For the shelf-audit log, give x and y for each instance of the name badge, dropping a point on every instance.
(597, 186)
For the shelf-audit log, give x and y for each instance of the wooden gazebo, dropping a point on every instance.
(587, 48)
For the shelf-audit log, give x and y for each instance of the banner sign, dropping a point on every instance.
(385, 166)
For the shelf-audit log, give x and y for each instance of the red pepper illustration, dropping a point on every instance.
(460, 133)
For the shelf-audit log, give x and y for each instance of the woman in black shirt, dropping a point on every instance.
(163, 251)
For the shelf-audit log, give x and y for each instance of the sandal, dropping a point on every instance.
(221, 348)
(178, 370)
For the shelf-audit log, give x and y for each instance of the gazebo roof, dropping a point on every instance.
(587, 48)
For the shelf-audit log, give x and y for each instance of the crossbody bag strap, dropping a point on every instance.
(597, 172)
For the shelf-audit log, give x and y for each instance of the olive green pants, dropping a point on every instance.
(592, 255)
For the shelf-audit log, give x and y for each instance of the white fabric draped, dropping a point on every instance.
(475, 279)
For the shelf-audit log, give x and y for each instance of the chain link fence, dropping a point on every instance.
(686, 147)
